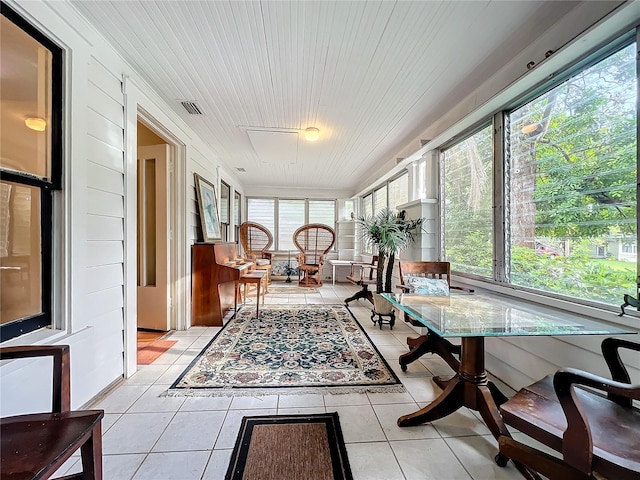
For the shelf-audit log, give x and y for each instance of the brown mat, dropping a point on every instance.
(149, 352)
(277, 447)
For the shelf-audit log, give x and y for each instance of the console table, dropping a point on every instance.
(338, 263)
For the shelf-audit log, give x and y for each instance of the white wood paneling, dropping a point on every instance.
(367, 74)
(105, 155)
(104, 277)
(105, 130)
(104, 228)
(104, 203)
(105, 179)
(104, 253)
(104, 80)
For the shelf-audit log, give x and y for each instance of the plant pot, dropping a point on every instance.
(381, 305)
(382, 308)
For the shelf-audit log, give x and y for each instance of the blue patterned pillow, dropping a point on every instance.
(435, 287)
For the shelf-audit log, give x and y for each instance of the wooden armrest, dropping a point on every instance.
(268, 255)
(61, 398)
(610, 347)
(577, 443)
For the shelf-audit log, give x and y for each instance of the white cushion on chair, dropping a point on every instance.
(262, 261)
(435, 287)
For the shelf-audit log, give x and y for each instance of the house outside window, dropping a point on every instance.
(573, 170)
(30, 173)
(467, 210)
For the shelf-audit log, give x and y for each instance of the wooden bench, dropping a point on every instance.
(598, 436)
(34, 446)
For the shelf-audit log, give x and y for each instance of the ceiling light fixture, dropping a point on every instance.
(36, 123)
(311, 134)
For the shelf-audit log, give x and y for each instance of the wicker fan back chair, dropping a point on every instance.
(314, 241)
(256, 240)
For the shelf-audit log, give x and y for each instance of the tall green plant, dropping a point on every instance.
(388, 233)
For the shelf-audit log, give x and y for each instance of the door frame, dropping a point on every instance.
(138, 107)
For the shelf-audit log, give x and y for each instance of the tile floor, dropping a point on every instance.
(147, 437)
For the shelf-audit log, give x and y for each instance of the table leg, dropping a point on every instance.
(469, 387)
(430, 344)
(364, 293)
(333, 275)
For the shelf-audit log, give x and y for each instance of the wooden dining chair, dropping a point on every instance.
(313, 241)
(420, 346)
(34, 446)
(598, 436)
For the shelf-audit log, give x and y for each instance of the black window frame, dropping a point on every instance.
(47, 187)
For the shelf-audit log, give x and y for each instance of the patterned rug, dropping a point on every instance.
(290, 349)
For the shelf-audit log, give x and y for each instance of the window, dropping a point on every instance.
(399, 191)
(467, 176)
(572, 182)
(225, 210)
(290, 214)
(237, 215)
(30, 172)
(367, 205)
(379, 199)
(262, 211)
(290, 217)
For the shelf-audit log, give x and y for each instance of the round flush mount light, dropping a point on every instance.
(36, 123)
(311, 134)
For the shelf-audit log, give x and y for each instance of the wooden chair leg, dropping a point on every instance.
(91, 453)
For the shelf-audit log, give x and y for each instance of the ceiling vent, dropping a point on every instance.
(241, 169)
(191, 107)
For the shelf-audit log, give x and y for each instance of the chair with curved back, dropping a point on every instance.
(256, 240)
(314, 241)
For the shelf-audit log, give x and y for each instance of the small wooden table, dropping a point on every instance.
(257, 278)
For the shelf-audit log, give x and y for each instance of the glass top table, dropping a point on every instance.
(492, 315)
(473, 317)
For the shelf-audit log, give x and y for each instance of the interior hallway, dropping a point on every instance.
(153, 438)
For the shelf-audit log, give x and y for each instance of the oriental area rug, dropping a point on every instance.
(309, 447)
(289, 349)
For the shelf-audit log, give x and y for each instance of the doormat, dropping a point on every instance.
(290, 349)
(276, 447)
(150, 352)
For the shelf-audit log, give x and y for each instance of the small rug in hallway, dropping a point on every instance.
(149, 352)
(280, 288)
(279, 447)
(290, 349)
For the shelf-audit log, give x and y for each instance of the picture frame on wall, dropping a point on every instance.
(208, 208)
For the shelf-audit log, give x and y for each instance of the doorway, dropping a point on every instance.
(154, 158)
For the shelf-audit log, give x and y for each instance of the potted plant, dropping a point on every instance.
(388, 233)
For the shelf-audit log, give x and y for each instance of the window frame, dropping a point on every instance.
(276, 209)
(47, 188)
(501, 174)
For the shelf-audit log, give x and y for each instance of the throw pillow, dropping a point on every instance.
(435, 287)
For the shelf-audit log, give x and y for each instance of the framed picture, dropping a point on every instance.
(208, 206)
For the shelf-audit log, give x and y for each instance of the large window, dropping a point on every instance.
(283, 216)
(573, 184)
(398, 190)
(225, 210)
(237, 214)
(467, 176)
(30, 172)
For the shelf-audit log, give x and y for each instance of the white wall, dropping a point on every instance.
(97, 281)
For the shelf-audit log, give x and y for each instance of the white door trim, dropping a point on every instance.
(138, 106)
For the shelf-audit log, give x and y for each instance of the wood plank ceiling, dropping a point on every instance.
(369, 75)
